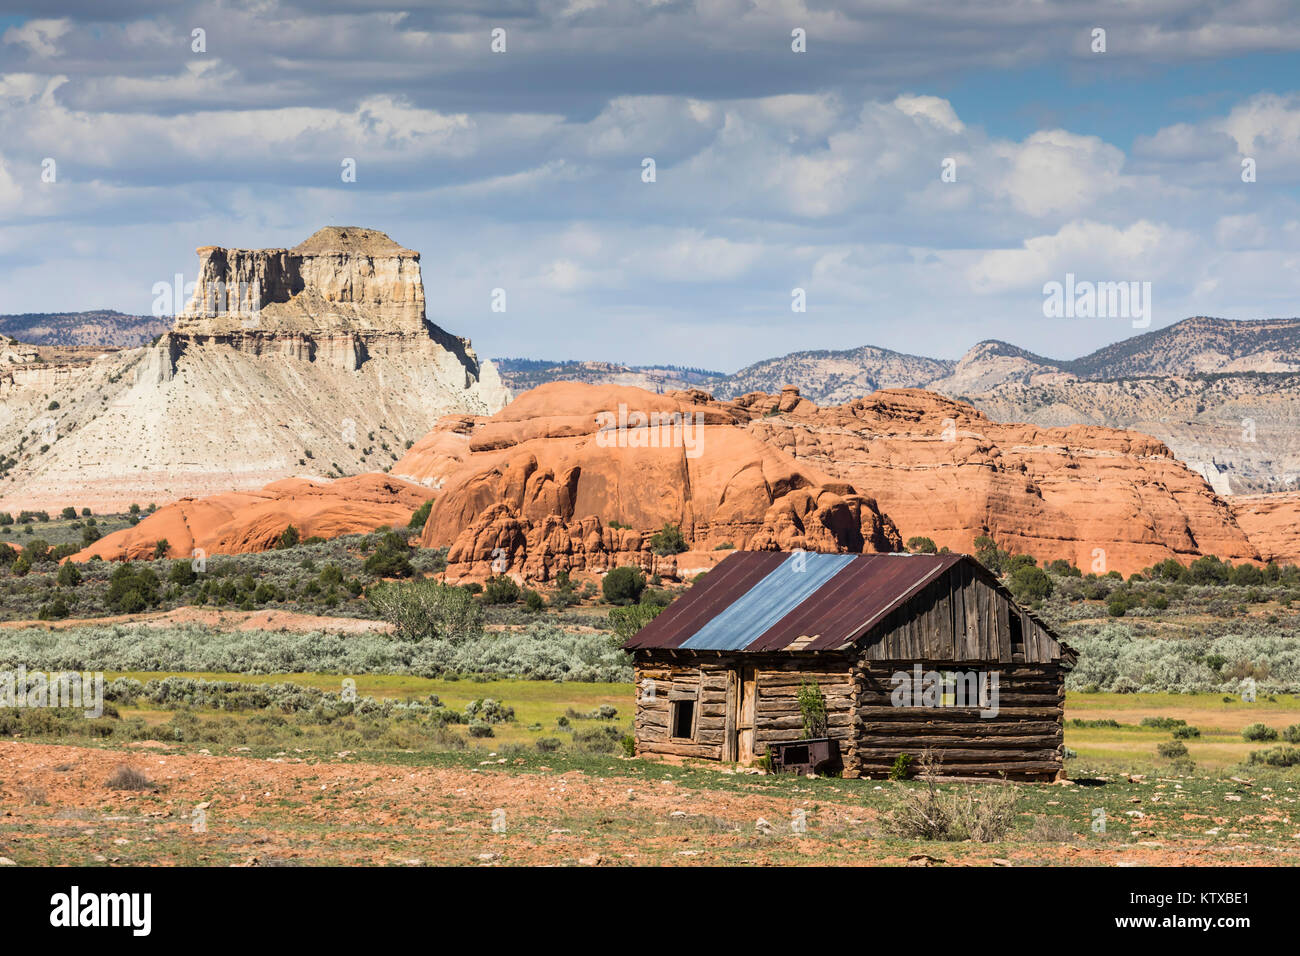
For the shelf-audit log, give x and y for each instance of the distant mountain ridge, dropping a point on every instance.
(1193, 347)
(833, 377)
(1196, 346)
(101, 328)
(521, 374)
(1223, 394)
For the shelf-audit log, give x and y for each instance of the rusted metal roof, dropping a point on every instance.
(801, 601)
(780, 593)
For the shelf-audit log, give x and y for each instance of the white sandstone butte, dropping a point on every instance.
(313, 361)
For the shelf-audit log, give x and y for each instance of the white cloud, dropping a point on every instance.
(1241, 232)
(10, 193)
(936, 110)
(1054, 171)
(40, 37)
(1091, 250)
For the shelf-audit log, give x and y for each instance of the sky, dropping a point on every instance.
(775, 169)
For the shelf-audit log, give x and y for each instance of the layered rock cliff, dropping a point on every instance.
(341, 279)
(316, 361)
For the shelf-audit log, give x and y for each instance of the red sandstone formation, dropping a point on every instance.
(1272, 522)
(1101, 498)
(243, 521)
(533, 486)
(579, 477)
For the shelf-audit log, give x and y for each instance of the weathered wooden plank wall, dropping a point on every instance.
(1025, 738)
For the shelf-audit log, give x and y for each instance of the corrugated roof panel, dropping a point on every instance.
(756, 601)
(878, 594)
(797, 579)
(869, 587)
(733, 577)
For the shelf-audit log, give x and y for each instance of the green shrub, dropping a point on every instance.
(1258, 732)
(1029, 584)
(548, 744)
(668, 540)
(812, 708)
(425, 609)
(55, 610)
(1292, 734)
(68, 576)
(289, 538)
(922, 545)
(989, 554)
(981, 812)
(37, 551)
(182, 573)
(902, 767)
(628, 620)
(500, 589)
(420, 516)
(533, 601)
(131, 589)
(623, 585)
(1162, 723)
(1277, 757)
(602, 739)
(391, 559)
(1186, 733)
(1171, 749)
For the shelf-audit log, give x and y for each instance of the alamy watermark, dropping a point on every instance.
(36, 689)
(1083, 299)
(918, 688)
(219, 298)
(637, 429)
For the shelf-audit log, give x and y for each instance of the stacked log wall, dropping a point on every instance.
(777, 717)
(1025, 739)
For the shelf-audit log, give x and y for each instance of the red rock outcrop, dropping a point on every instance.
(580, 477)
(1098, 497)
(242, 521)
(1272, 522)
(532, 486)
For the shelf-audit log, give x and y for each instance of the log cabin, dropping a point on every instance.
(911, 652)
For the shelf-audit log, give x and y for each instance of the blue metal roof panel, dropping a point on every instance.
(748, 617)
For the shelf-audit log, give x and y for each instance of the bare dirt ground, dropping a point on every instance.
(217, 810)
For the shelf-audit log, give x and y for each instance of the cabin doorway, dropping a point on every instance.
(742, 691)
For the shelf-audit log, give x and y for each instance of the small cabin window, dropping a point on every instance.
(683, 719)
